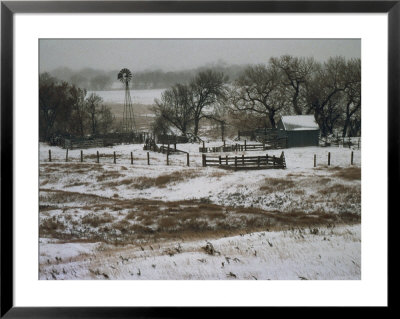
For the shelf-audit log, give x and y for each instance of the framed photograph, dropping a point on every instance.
(160, 155)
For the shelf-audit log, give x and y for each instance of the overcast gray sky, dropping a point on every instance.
(170, 55)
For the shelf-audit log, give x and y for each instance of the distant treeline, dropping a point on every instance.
(97, 80)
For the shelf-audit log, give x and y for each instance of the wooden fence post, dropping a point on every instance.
(131, 158)
(224, 143)
(266, 157)
(148, 158)
(273, 160)
(115, 160)
(49, 155)
(204, 160)
(219, 158)
(98, 157)
(168, 156)
(352, 156)
(315, 160)
(81, 156)
(258, 161)
(245, 145)
(243, 160)
(66, 156)
(329, 158)
(226, 159)
(239, 135)
(235, 163)
(187, 159)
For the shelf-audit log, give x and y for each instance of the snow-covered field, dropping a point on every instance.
(139, 221)
(137, 96)
(332, 253)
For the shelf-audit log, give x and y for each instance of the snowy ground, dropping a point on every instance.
(123, 221)
(332, 253)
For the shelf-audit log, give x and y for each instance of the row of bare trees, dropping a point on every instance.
(185, 105)
(65, 109)
(262, 93)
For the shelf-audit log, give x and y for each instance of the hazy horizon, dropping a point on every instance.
(182, 54)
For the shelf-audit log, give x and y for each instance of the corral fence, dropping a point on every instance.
(171, 139)
(262, 134)
(114, 156)
(266, 145)
(100, 140)
(245, 162)
(350, 142)
(150, 145)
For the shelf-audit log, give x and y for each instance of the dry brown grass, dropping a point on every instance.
(51, 227)
(277, 184)
(349, 173)
(108, 175)
(161, 181)
(155, 220)
(218, 174)
(77, 183)
(97, 220)
(53, 167)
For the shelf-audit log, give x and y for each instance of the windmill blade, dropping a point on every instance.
(125, 75)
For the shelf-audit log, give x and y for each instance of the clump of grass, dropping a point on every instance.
(349, 173)
(123, 226)
(168, 223)
(161, 181)
(337, 189)
(95, 220)
(108, 175)
(77, 183)
(209, 249)
(277, 184)
(51, 226)
(218, 174)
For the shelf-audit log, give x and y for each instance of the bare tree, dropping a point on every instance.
(175, 107)
(325, 90)
(259, 90)
(54, 105)
(93, 107)
(296, 73)
(207, 89)
(79, 116)
(352, 94)
(106, 119)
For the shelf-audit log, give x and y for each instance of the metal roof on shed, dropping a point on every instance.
(299, 123)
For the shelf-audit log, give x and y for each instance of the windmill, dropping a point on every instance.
(128, 121)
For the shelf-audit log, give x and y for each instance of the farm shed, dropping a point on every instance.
(301, 130)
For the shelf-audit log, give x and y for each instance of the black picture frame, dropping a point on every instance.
(9, 8)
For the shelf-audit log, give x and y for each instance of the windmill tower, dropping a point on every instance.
(128, 121)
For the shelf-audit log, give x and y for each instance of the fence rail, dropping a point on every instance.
(245, 162)
(350, 142)
(99, 140)
(151, 146)
(267, 145)
(171, 139)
